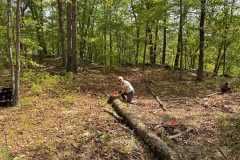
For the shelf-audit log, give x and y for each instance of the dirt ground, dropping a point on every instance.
(74, 125)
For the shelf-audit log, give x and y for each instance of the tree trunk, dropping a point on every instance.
(61, 31)
(155, 44)
(156, 144)
(151, 50)
(145, 46)
(71, 31)
(164, 37)
(17, 74)
(138, 44)
(202, 41)
(9, 38)
(180, 34)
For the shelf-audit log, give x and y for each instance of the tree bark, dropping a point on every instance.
(155, 44)
(71, 32)
(180, 35)
(164, 37)
(17, 74)
(145, 46)
(202, 41)
(156, 144)
(61, 31)
(9, 39)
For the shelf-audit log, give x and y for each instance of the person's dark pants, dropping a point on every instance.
(127, 97)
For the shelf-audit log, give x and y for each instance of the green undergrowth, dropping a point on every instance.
(42, 82)
(5, 154)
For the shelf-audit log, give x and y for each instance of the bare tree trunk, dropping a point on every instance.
(17, 74)
(164, 37)
(61, 31)
(138, 44)
(145, 46)
(74, 36)
(155, 43)
(202, 41)
(10, 55)
(71, 32)
(180, 34)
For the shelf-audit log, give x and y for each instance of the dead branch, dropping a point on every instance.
(180, 134)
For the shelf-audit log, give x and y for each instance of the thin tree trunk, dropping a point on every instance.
(110, 40)
(155, 43)
(164, 37)
(145, 46)
(61, 31)
(10, 55)
(69, 36)
(202, 41)
(180, 34)
(17, 74)
(71, 31)
(138, 44)
(151, 50)
(74, 37)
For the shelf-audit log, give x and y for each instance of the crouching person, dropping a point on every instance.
(127, 90)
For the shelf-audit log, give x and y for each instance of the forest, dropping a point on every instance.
(119, 79)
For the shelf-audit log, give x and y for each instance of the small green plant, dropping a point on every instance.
(69, 100)
(36, 89)
(26, 101)
(5, 154)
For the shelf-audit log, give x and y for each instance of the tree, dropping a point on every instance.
(61, 31)
(201, 41)
(180, 37)
(71, 36)
(9, 38)
(17, 74)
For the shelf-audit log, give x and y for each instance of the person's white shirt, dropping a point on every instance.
(127, 86)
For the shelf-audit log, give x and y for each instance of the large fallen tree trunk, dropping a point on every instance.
(155, 143)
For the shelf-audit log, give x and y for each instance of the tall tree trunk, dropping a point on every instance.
(202, 41)
(110, 39)
(155, 44)
(164, 37)
(151, 50)
(71, 31)
(218, 60)
(9, 38)
(180, 34)
(17, 74)
(221, 59)
(145, 46)
(61, 31)
(138, 44)
(42, 42)
(74, 36)
(137, 32)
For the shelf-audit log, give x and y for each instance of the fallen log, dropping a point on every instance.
(155, 143)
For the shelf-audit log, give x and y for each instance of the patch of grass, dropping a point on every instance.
(5, 154)
(68, 100)
(26, 101)
(40, 82)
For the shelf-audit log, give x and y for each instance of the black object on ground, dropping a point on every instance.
(6, 96)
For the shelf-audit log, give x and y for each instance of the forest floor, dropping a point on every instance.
(65, 118)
